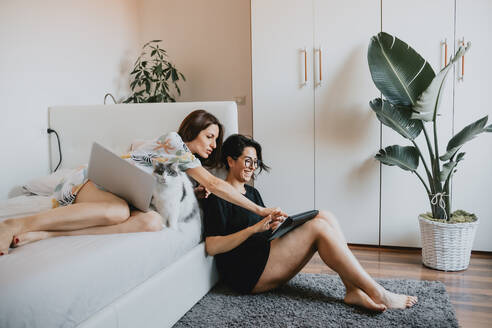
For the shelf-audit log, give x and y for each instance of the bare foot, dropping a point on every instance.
(358, 297)
(397, 301)
(7, 231)
(29, 237)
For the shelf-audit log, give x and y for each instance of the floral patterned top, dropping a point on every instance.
(168, 148)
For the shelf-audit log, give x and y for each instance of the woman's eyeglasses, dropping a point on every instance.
(250, 163)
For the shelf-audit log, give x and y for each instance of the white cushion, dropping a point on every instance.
(45, 186)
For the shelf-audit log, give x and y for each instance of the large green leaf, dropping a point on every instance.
(406, 158)
(397, 70)
(468, 133)
(428, 103)
(448, 168)
(397, 118)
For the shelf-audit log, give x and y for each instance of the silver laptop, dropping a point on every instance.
(121, 178)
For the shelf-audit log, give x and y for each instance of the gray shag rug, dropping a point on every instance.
(316, 300)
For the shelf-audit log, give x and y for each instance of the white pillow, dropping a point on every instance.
(45, 186)
(24, 205)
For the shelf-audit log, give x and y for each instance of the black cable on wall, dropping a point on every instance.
(59, 147)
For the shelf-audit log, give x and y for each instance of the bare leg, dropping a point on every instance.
(289, 253)
(92, 207)
(138, 222)
(307, 249)
(354, 293)
(332, 221)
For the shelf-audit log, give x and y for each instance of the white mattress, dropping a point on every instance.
(60, 282)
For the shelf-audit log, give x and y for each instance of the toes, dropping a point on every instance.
(15, 241)
(382, 307)
(411, 301)
(3, 252)
(20, 240)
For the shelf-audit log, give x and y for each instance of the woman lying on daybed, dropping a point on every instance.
(81, 208)
(248, 262)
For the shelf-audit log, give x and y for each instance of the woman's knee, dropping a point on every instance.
(322, 227)
(150, 221)
(117, 212)
(318, 223)
(328, 217)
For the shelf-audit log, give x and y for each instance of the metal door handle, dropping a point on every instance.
(462, 43)
(445, 43)
(305, 65)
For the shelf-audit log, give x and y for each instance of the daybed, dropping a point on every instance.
(125, 280)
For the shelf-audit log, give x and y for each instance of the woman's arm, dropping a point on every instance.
(220, 244)
(225, 191)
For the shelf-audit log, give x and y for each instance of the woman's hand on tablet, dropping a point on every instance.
(271, 210)
(270, 221)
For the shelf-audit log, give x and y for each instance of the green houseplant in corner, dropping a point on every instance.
(411, 97)
(154, 76)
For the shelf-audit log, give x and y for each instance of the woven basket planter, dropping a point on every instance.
(446, 246)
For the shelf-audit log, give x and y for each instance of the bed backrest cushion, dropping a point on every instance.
(117, 126)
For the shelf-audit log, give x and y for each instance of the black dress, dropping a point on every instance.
(241, 267)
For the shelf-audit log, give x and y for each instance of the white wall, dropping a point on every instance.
(55, 52)
(210, 43)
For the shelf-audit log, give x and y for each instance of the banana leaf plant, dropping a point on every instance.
(411, 98)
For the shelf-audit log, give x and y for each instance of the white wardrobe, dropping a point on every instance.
(473, 181)
(311, 89)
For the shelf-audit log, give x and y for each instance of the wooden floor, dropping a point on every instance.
(470, 291)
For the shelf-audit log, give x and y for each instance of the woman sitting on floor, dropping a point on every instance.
(249, 263)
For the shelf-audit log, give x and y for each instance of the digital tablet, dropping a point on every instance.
(292, 222)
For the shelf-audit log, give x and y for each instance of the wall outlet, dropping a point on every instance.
(240, 100)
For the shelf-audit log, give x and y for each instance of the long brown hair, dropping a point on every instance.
(191, 127)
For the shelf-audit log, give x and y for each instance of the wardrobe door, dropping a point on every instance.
(423, 25)
(283, 101)
(471, 185)
(347, 130)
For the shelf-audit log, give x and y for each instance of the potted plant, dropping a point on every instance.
(153, 75)
(411, 97)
